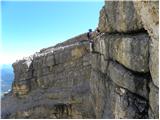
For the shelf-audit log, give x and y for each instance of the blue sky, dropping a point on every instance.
(28, 27)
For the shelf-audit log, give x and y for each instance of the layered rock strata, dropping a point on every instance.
(118, 80)
(55, 83)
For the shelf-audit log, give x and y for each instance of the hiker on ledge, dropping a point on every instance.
(89, 35)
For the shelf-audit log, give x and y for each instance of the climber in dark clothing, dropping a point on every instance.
(89, 35)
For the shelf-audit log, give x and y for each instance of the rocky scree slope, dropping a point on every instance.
(118, 80)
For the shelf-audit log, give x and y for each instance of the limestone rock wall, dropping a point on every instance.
(123, 91)
(118, 80)
(53, 83)
(149, 13)
(127, 55)
(119, 17)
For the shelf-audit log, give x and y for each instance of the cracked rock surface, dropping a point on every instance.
(118, 80)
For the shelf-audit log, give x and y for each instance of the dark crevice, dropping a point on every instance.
(140, 74)
(128, 32)
(138, 96)
(146, 76)
(62, 110)
(140, 103)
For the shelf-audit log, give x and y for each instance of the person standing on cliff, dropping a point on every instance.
(89, 35)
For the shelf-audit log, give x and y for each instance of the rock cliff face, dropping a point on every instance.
(118, 80)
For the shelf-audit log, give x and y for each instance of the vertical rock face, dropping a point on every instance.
(127, 55)
(149, 13)
(53, 83)
(153, 101)
(119, 17)
(118, 80)
(128, 49)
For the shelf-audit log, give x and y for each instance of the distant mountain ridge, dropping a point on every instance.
(7, 77)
